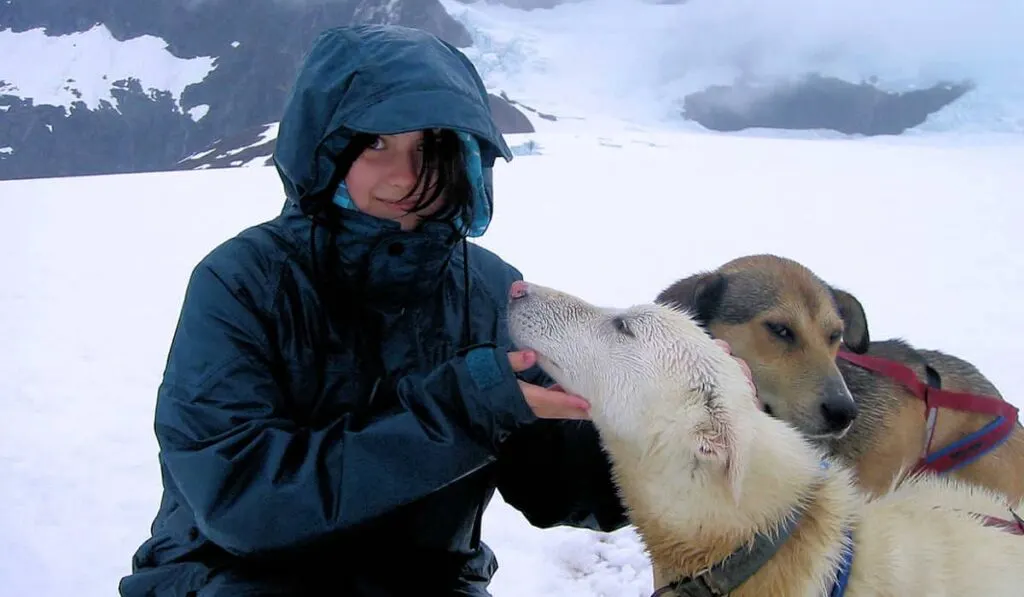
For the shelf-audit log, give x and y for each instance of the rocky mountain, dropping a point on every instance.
(125, 103)
(113, 86)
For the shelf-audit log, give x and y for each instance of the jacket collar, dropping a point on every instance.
(373, 261)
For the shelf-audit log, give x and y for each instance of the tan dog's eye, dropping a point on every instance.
(781, 331)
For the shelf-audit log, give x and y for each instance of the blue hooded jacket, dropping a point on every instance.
(337, 408)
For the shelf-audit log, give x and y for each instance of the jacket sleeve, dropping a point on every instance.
(555, 472)
(258, 481)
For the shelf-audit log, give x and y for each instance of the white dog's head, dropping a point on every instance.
(653, 377)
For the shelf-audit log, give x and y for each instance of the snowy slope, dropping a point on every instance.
(637, 59)
(926, 235)
(58, 70)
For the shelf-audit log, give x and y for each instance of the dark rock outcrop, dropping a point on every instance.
(145, 132)
(818, 102)
(514, 103)
(509, 119)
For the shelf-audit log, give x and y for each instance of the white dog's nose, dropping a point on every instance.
(518, 289)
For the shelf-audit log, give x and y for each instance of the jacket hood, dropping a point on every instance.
(378, 79)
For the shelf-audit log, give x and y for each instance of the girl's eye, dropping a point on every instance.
(377, 144)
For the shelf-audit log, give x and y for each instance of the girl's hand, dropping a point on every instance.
(743, 364)
(547, 403)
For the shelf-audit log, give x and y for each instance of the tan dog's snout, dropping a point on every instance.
(838, 408)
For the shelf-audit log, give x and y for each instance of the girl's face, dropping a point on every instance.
(385, 173)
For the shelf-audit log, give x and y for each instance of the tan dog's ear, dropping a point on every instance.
(855, 322)
(700, 294)
(720, 443)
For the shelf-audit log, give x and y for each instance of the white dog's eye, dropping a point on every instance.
(622, 326)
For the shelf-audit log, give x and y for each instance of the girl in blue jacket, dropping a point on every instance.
(341, 397)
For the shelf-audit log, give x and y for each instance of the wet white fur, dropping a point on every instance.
(692, 453)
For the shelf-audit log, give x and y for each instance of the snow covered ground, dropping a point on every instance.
(927, 235)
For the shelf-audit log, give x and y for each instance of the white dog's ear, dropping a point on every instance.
(721, 444)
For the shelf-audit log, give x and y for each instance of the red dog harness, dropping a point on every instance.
(1015, 526)
(964, 450)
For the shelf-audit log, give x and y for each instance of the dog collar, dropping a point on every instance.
(727, 575)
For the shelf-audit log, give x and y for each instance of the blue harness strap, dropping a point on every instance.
(843, 574)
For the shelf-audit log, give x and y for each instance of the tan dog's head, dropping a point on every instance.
(788, 325)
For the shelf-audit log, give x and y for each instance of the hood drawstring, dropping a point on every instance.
(466, 335)
(325, 288)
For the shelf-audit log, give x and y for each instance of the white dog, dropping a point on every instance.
(730, 500)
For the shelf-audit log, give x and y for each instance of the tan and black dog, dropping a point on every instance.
(788, 325)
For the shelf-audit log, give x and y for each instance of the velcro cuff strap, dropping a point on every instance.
(482, 365)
